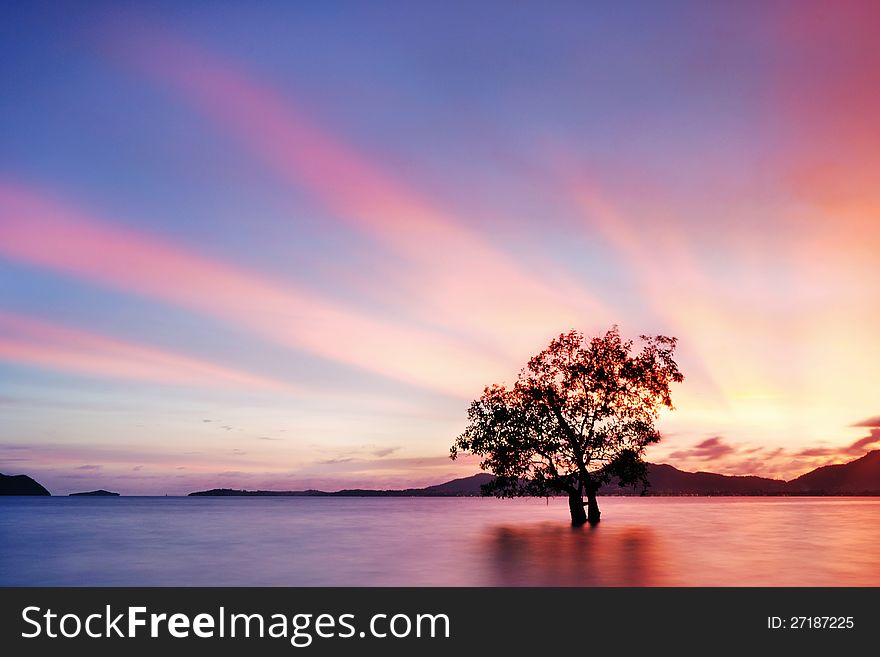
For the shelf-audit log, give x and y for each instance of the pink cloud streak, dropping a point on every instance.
(40, 231)
(33, 342)
(458, 280)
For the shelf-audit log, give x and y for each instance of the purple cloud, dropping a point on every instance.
(862, 445)
(385, 451)
(711, 448)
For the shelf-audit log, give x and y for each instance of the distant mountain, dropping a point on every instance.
(467, 486)
(858, 477)
(464, 486)
(20, 485)
(232, 492)
(668, 480)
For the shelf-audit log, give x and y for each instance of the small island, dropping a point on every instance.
(95, 493)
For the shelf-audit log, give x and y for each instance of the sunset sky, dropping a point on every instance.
(283, 245)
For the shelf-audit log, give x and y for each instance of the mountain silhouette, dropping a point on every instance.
(20, 485)
(859, 477)
(466, 486)
(668, 480)
(95, 493)
(463, 486)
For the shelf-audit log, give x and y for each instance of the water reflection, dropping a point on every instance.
(57, 541)
(550, 554)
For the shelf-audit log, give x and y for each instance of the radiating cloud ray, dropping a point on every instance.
(768, 337)
(458, 278)
(34, 342)
(39, 231)
(657, 269)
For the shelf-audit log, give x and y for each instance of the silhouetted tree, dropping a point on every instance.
(579, 416)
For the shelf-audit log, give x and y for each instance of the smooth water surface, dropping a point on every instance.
(280, 541)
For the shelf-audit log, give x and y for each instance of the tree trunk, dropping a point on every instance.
(576, 506)
(592, 508)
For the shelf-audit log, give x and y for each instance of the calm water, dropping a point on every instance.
(437, 542)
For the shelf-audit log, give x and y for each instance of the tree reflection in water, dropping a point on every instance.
(554, 555)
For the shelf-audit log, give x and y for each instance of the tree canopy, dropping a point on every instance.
(580, 415)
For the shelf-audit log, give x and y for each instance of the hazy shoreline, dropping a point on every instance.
(857, 478)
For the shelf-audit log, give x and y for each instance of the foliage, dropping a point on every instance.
(579, 416)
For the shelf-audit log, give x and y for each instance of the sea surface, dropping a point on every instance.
(284, 541)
